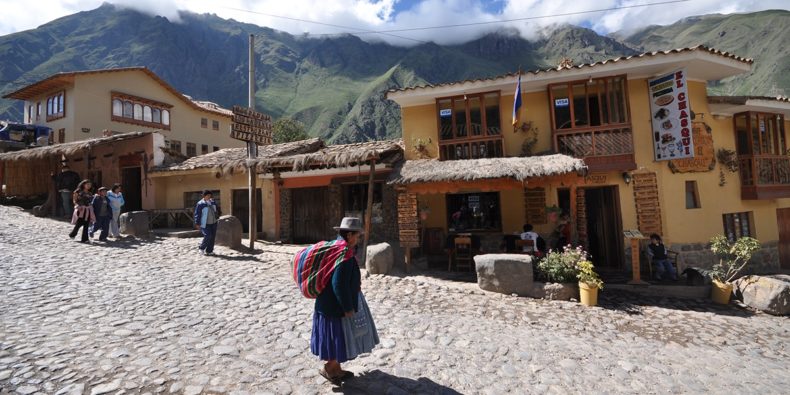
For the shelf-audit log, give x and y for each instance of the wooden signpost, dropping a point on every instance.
(634, 236)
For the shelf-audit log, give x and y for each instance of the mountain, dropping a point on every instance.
(336, 86)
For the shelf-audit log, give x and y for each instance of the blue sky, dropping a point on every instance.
(378, 15)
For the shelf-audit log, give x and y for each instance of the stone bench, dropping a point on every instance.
(505, 273)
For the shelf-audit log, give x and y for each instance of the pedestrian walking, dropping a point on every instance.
(83, 215)
(343, 327)
(116, 202)
(65, 183)
(103, 213)
(206, 215)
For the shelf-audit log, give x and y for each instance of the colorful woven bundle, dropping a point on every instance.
(313, 266)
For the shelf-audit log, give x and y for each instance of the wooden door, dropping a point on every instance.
(604, 227)
(241, 208)
(310, 215)
(783, 221)
(131, 181)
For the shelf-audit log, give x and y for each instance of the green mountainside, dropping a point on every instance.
(336, 86)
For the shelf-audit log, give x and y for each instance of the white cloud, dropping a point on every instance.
(381, 14)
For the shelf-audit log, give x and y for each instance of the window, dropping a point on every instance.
(203, 122)
(692, 195)
(760, 134)
(585, 104)
(30, 114)
(474, 211)
(216, 148)
(139, 111)
(469, 116)
(737, 225)
(61, 135)
(38, 111)
(215, 125)
(51, 139)
(191, 198)
(204, 149)
(355, 201)
(175, 145)
(191, 150)
(56, 106)
(117, 108)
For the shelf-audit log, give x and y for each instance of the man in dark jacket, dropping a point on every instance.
(103, 212)
(65, 183)
(206, 217)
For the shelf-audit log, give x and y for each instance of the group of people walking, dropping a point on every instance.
(96, 212)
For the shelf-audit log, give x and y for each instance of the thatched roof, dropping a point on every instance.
(223, 157)
(68, 149)
(388, 151)
(520, 169)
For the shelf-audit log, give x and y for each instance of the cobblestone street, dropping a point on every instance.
(154, 316)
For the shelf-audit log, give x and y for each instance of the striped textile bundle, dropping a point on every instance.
(313, 266)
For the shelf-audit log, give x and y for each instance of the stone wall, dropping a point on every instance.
(387, 229)
(765, 260)
(285, 214)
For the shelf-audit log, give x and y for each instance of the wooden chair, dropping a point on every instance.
(520, 244)
(672, 256)
(463, 253)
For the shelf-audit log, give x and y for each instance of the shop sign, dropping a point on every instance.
(704, 155)
(251, 126)
(671, 117)
(446, 112)
(595, 179)
(561, 102)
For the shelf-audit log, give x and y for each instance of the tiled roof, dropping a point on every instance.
(586, 65)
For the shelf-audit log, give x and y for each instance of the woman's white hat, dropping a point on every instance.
(352, 224)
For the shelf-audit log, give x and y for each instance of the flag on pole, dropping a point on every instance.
(517, 102)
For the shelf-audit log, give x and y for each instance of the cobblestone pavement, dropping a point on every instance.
(155, 317)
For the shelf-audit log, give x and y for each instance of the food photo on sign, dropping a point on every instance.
(671, 116)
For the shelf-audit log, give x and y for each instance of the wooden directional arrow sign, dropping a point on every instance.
(249, 125)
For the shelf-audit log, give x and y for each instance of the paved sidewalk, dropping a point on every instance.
(155, 317)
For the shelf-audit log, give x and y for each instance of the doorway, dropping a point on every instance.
(604, 227)
(241, 208)
(783, 222)
(310, 215)
(131, 181)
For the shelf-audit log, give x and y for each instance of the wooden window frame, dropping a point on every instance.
(474, 230)
(143, 103)
(728, 221)
(204, 123)
(484, 123)
(214, 124)
(695, 192)
(203, 149)
(604, 125)
(779, 132)
(191, 149)
(173, 143)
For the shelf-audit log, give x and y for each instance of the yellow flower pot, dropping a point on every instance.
(588, 295)
(720, 292)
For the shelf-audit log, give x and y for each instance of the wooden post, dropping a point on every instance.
(369, 209)
(252, 149)
(636, 276)
(572, 214)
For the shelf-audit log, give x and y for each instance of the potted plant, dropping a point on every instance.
(589, 283)
(560, 266)
(733, 257)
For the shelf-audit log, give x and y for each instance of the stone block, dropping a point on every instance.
(380, 258)
(504, 273)
(770, 294)
(40, 211)
(229, 231)
(554, 291)
(135, 223)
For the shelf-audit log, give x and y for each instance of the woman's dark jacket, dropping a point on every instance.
(343, 293)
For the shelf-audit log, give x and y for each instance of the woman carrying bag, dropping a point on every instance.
(343, 327)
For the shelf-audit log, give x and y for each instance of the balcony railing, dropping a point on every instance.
(602, 149)
(472, 148)
(764, 176)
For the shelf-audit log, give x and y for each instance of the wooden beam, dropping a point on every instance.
(369, 208)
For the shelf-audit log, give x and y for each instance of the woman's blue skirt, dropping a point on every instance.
(328, 341)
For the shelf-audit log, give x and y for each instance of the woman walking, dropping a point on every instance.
(343, 327)
(83, 210)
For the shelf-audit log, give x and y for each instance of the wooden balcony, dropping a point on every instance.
(472, 148)
(764, 177)
(603, 149)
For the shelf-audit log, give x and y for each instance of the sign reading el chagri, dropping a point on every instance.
(671, 117)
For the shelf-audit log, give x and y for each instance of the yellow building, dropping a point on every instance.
(80, 105)
(635, 121)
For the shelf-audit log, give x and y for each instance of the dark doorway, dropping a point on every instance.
(241, 208)
(604, 227)
(132, 194)
(783, 221)
(310, 215)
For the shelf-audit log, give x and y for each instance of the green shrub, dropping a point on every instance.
(561, 266)
(733, 256)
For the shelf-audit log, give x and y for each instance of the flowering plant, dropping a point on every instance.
(563, 266)
(588, 275)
